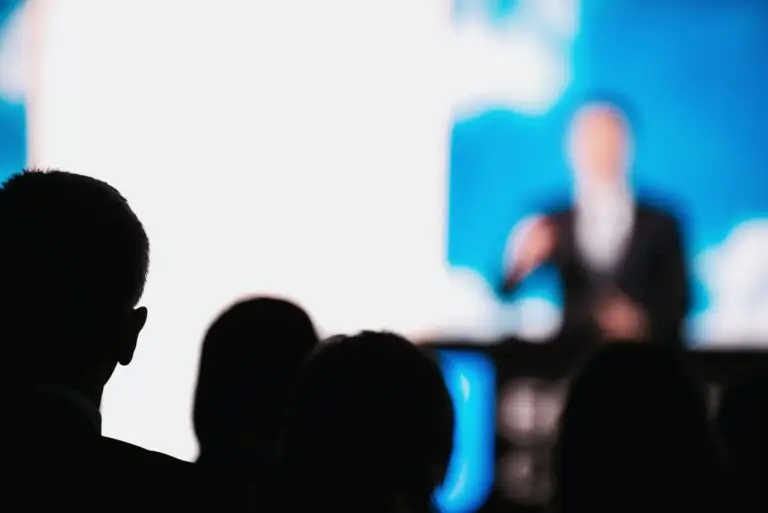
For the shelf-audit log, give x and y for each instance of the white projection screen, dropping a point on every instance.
(292, 148)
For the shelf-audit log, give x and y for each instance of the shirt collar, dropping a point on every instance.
(598, 199)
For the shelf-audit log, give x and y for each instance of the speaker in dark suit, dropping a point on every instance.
(620, 258)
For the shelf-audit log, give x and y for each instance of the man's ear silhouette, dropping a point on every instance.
(136, 321)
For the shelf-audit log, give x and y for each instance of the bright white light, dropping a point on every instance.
(540, 320)
(469, 309)
(13, 64)
(522, 64)
(556, 18)
(295, 148)
(266, 152)
(736, 274)
(513, 69)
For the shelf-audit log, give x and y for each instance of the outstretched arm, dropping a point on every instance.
(531, 245)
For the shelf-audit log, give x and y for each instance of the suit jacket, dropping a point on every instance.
(56, 459)
(651, 272)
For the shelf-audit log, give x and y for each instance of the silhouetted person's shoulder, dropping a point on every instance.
(160, 481)
(75, 260)
(133, 454)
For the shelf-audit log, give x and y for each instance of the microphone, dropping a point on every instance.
(512, 280)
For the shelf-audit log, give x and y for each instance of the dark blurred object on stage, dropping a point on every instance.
(531, 383)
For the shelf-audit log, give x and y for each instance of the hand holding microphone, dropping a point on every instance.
(535, 246)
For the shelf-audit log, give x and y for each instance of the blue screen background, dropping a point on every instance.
(694, 74)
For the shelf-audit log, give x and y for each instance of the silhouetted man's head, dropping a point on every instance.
(74, 262)
(250, 358)
(634, 423)
(372, 425)
(600, 144)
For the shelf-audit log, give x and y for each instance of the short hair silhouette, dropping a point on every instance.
(250, 359)
(74, 264)
(372, 423)
(635, 431)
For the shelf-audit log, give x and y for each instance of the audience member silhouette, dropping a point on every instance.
(635, 436)
(743, 426)
(74, 263)
(250, 360)
(363, 423)
(371, 428)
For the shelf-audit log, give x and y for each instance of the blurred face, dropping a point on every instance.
(599, 146)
